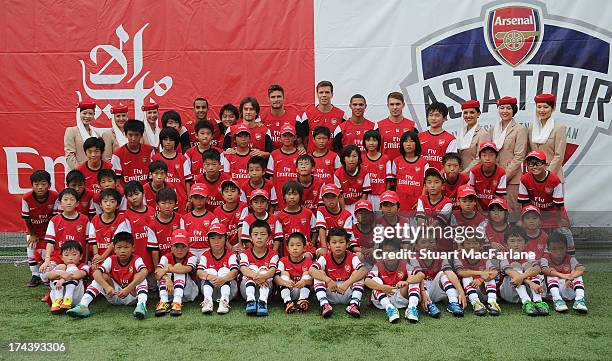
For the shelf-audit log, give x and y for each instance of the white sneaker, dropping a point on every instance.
(207, 306)
(223, 307)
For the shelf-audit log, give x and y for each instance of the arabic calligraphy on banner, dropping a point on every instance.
(105, 81)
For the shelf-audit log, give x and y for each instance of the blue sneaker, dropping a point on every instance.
(433, 310)
(251, 308)
(262, 308)
(412, 314)
(455, 308)
(393, 314)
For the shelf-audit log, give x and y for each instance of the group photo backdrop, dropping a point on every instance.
(54, 53)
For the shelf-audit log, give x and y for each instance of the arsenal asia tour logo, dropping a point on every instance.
(520, 50)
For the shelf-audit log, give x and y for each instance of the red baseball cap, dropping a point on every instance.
(545, 98)
(363, 204)
(150, 106)
(470, 104)
(489, 145)
(506, 101)
(330, 188)
(287, 128)
(217, 228)
(241, 128)
(119, 108)
(199, 189)
(530, 208)
(389, 196)
(260, 193)
(537, 154)
(500, 202)
(465, 190)
(179, 236)
(87, 105)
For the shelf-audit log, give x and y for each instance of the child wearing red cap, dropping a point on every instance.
(390, 216)
(235, 163)
(531, 222)
(228, 214)
(543, 189)
(405, 173)
(115, 137)
(292, 275)
(471, 135)
(453, 176)
(488, 178)
(281, 163)
(198, 220)
(496, 224)
(259, 201)
(173, 274)
(546, 135)
(217, 269)
(374, 163)
(468, 214)
(331, 215)
(435, 141)
(362, 243)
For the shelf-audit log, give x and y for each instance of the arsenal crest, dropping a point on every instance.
(327, 162)
(79, 228)
(258, 136)
(303, 221)
(145, 160)
(333, 121)
(513, 33)
(548, 190)
(347, 268)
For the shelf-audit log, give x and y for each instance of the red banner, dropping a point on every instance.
(131, 52)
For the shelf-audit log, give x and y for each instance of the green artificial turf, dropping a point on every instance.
(111, 333)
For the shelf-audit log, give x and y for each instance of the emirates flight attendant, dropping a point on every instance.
(74, 137)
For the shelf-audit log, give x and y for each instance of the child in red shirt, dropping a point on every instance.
(374, 163)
